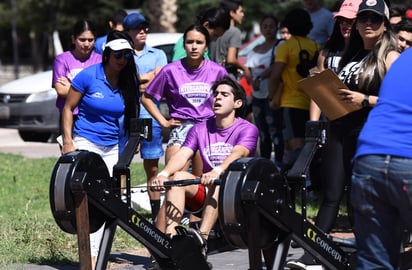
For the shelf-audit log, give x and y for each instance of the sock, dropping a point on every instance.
(155, 205)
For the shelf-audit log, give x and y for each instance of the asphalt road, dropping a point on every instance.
(10, 142)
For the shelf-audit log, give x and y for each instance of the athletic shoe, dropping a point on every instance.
(304, 262)
(199, 239)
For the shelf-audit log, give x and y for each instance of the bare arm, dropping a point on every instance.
(153, 110)
(233, 60)
(62, 86)
(275, 78)
(321, 60)
(146, 79)
(314, 110)
(72, 100)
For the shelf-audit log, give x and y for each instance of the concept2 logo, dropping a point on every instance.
(323, 244)
(148, 229)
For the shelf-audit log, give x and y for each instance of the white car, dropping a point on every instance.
(28, 104)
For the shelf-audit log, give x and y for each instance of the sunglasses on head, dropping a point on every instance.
(370, 16)
(119, 54)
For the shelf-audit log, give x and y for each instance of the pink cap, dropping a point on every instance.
(348, 9)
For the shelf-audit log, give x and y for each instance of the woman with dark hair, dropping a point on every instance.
(294, 103)
(68, 64)
(216, 20)
(103, 93)
(186, 85)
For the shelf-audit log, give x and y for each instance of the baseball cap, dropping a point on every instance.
(132, 20)
(377, 6)
(119, 44)
(348, 9)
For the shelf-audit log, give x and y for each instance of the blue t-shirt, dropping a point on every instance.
(99, 109)
(147, 61)
(99, 44)
(388, 130)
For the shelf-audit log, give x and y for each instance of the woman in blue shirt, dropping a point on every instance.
(103, 93)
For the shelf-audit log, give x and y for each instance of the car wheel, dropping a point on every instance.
(34, 136)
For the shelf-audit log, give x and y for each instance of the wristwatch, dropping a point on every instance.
(365, 101)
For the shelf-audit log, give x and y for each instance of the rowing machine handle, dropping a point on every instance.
(187, 182)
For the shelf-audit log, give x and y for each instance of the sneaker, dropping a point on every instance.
(153, 265)
(199, 239)
(303, 262)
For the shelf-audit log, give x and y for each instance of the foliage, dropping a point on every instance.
(36, 19)
(27, 224)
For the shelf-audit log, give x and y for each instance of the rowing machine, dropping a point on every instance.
(83, 197)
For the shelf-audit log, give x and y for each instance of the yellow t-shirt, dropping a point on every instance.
(288, 53)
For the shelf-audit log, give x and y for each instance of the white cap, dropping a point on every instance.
(119, 44)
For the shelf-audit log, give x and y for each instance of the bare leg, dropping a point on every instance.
(151, 167)
(170, 151)
(210, 212)
(173, 206)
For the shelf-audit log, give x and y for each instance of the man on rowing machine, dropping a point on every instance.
(220, 140)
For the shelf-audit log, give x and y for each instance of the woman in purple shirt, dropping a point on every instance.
(68, 64)
(186, 85)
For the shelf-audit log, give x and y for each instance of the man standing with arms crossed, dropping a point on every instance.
(149, 61)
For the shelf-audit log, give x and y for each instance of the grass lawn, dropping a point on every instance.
(28, 231)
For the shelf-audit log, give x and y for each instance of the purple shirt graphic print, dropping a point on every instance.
(187, 91)
(216, 144)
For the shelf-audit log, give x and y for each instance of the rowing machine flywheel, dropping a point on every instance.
(86, 167)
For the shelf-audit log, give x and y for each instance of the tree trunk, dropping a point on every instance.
(162, 15)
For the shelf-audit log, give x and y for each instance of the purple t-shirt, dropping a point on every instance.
(187, 91)
(67, 65)
(216, 144)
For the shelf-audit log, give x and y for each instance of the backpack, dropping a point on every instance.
(305, 62)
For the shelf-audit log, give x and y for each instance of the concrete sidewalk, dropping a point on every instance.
(231, 260)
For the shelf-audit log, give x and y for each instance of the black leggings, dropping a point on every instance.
(336, 171)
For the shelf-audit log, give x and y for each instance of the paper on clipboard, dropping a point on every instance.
(322, 88)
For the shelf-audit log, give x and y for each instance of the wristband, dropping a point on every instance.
(218, 170)
(163, 173)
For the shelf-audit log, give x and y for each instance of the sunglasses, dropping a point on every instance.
(119, 54)
(372, 17)
(342, 20)
(144, 28)
(86, 39)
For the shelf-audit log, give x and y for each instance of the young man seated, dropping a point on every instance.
(220, 141)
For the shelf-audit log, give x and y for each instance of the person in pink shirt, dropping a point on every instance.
(68, 64)
(186, 85)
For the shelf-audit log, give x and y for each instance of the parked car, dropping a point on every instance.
(28, 104)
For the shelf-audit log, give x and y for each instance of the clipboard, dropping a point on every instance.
(322, 88)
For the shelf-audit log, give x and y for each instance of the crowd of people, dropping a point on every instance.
(103, 82)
